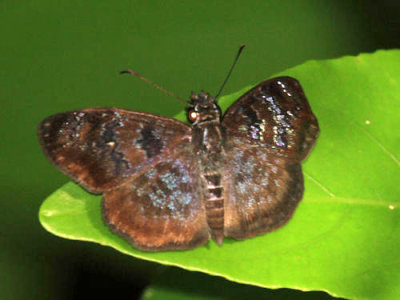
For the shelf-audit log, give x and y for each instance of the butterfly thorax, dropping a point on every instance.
(207, 139)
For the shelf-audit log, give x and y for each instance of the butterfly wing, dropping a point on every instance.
(262, 190)
(162, 208)
(269, 130)
(275, 114)
(102, 148)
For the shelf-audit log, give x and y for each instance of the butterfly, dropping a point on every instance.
(166, 185)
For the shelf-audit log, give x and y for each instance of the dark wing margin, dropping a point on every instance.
(162, 208)
(101, 148)
(274, 113)
(262, 190)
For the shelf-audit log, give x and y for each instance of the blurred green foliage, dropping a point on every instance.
(62, 55)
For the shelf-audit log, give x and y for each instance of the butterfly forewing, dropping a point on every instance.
(162, 209)
(274, 114)
(101, 148)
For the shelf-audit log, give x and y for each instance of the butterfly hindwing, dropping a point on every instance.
(275, 114)
(162, 209)
(101, 148)
(262, 190)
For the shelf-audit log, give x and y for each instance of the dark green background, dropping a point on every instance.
(63, 55)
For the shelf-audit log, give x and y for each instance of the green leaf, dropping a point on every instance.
(177, 284)
(345, 235)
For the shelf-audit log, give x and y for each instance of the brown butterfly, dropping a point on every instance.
(169, 186)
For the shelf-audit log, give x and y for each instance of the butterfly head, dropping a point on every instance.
(202, 108)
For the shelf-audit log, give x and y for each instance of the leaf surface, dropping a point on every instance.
(344, 237)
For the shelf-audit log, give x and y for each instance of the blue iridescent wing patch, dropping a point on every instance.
(161, 209)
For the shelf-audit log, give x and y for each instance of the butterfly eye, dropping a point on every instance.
(193, 115)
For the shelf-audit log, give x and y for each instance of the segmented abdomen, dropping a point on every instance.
(215, 206)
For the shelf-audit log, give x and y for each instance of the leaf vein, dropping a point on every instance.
(325, 189)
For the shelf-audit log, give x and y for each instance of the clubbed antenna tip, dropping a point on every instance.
(230, 71)
(136, 74)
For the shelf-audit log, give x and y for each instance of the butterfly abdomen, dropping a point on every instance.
(215, 206)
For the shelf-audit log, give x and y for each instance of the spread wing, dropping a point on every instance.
(269, 131)
(262, 190)
(274, 114)
(161, 209)
(102, 148)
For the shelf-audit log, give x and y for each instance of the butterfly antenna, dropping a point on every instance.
(136, 74)
(230, 71)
